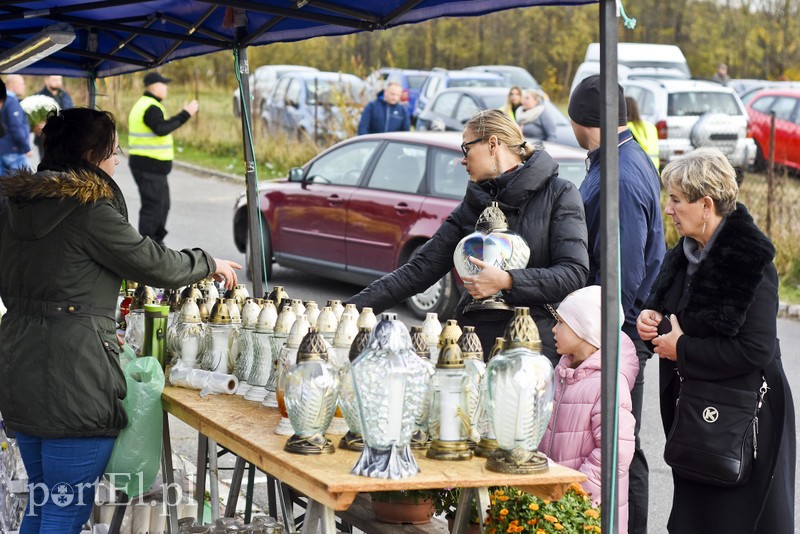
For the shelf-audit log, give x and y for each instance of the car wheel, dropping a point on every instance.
(267, 253)
(441, 298)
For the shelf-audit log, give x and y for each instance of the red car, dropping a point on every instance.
(360, 209)
(785, 103)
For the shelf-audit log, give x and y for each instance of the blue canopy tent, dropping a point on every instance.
(114, 37)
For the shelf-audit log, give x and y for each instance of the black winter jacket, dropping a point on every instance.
(727, 311)
(65, 246)
(545, 210)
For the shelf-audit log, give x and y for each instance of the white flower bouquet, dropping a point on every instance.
(37, 107)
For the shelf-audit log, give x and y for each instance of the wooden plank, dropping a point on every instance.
(247, 429)
(360, 515)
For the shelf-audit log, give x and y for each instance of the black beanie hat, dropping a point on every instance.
(584, 103)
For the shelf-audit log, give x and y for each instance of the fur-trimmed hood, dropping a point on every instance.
(37, 202)
(724, 286)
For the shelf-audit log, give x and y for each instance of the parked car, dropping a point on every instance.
(690, 113)
(453, 107)
(441, 79)
(512, 74)
(751, 91)
(410, 80)
(262, 81)
(363, 207)
(785, 103)
(315, 104)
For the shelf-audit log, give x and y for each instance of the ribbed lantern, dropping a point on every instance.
(189, 334)
(390, 383)
(493, 243)
(520, 381)
(287, 358)
(419, 341)
(336, 306)
(472, 351)
(134, 330)
(312, 386)
(244, 362)
(449, 423)
(258, 373)
(217, 348)
(432, 329)
(352, 440)
(487, 445)
(312, 311)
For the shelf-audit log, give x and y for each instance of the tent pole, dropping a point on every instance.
(253, 206)
(609, 259)
(91, 86)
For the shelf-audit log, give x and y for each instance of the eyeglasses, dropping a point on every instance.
(465, 145)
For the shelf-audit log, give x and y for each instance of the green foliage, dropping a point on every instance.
(513, 510)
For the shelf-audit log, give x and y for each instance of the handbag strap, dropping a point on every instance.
(762, 391)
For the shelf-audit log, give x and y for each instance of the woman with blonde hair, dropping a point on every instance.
(513, 102)
(533, 118)
(711, 318)
(544, 209)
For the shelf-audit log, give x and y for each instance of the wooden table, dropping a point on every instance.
(247, 429)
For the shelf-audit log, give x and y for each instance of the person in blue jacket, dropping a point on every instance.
(385, 113)
(641, 243)
(15, 144)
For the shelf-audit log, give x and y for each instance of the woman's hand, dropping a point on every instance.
(226, 270)
(666, 345)
(487, 282)
(647, 324)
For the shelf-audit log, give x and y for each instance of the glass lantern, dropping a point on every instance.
(277, 296)
(287, 357)
(487, 445)
(276, 340)
(419, 341)
(326, 323)
(235, 341)
(366, 318)
(432, 329)
(472, 351)
(261, 369)
(350, 309)
(312, 311)
(336, 306)
(298, 308)
(448, 422)
(520, 385)
(312, 386)
(352, 440)
(493, 243)
(243, 363)
(190, 334)
(134, 331)
(238, 294)
(218, 334)
(390, 383)
(346, 332)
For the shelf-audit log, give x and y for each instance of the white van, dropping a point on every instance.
(636, 61)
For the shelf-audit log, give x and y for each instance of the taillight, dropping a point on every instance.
(661, 126)
(404, 96)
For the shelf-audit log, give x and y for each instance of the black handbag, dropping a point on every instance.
(714, 435)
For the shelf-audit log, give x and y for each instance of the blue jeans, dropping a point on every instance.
(10, 162)
(62, 478)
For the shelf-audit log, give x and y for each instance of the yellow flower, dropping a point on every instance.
(551, 518)
(502, 498)
(540, 531)
(504, 512)
(591, 513)
(514, 523)
(532, 522)
(559, 526)
(493, 502)
(577, 488)
(598, 529)
(499, 492)
(533, 506)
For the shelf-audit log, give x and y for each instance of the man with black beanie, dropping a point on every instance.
(642, 247)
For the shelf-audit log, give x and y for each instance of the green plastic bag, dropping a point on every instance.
(136, 456)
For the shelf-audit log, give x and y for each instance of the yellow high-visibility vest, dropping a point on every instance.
(142, 141)
(647, 135)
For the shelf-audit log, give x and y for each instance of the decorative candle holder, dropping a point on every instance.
(336, 306)
(280, 333)
(449, 423)
(312, 311)
(366, 318)
(263, 356)
(243, 364)
(390, 384)
(311, 390)
(277, 295)
(350, 310)
(326, 323)
(487, 446)
(215, 357)
(352, 440)
(520, 383)
(432, 329)
(134, 332)
(298, 308)
(190, 334)
(235, 340)
(420, 439)
(493, 243)
(286, 359)
(472, 351)
(238, 294)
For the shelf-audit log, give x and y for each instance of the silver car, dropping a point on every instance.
(690, 114)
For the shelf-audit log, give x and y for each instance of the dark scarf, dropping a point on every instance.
(724, 286)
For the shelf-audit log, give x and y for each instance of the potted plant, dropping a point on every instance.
(512, 510)
(406, 506)
(448, 505)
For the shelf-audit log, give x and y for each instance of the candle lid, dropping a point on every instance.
(220, 313)
(498, 347)
(470, 344)
(420, 342)
(312, 347)
(491, 219)
(359, 343)
(522, 331)
(277, 295)
(451, 330)
(190, 312)
(450, 356)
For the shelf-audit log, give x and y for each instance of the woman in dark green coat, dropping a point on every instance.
(65, 246)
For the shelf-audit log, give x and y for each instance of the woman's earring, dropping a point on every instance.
(703, 233)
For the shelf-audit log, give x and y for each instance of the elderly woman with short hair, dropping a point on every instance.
(533, 118)
(717, 296)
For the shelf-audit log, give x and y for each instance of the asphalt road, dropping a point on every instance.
(201, 217)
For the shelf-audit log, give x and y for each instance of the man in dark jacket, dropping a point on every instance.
(641, 241)
(152, 152)
(15, 145)
(54, 88)
(385, 113)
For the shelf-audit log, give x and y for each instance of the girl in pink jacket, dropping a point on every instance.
(573, 433)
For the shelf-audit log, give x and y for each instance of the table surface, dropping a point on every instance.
(247, 429)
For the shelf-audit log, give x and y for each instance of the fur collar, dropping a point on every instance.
(724, 286)
(79, 184)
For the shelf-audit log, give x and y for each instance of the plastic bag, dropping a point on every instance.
(136, 456)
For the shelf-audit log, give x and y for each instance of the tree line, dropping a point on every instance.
(755, 38)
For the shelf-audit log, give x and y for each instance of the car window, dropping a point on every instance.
(763, 104)
(433, 86)
(445, 104)
(783, 107)
(467, 107)
(280, 89)
(572, 170)
(449, 177)
(472, 82)
(344, 165)
(400, 168)
(695, 103)
(416, 81)
(331, 91)
(293, 92)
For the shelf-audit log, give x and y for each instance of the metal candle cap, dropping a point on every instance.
(143, 295)
(451, 330)
(420, 342)
(359, 343)
(172, 297)
(267, 317)
(326, 321)
(191, 292)
(491, 219)
(190, 312)
(470, 344)
(277, 295)
(204, 312)
(522, 331)
(450, 356)
(388, 317)
(286, 319)
(498, 347)
(220, 313)
(312, 347)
